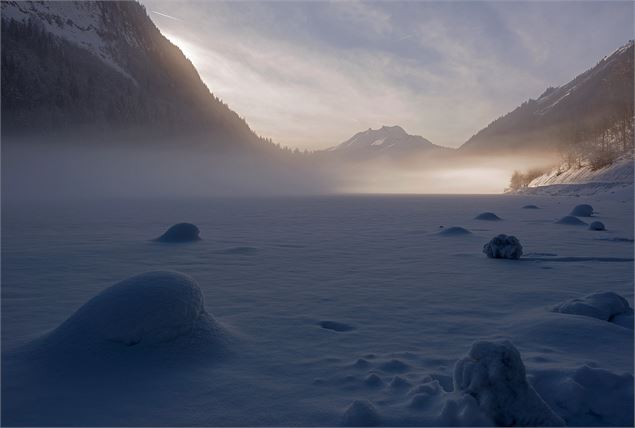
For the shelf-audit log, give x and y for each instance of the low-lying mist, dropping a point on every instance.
(52, 171)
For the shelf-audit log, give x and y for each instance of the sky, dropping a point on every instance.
(312, 74)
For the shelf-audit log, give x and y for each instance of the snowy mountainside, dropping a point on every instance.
(591, 101)
(385, 141)
(103, 68)
(81, 23)
(585, 180)
(621, 171)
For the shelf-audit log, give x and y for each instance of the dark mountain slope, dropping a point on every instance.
(582, 109)
(104, 67)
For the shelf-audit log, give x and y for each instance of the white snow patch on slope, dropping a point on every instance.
(77, 22)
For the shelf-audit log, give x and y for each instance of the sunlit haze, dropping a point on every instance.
(311, 74)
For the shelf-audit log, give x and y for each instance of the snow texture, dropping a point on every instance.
(494, 374)
(582, 210)
(361, 413)
(597, 225)
(571, 221)
(503, 247)
(589, 396)
(487, 216)
(604, 306)
(181, 232)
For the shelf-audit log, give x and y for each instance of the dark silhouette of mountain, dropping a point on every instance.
(584, 109)
(103, 68)
(387, 141)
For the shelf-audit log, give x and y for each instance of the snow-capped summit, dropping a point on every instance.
(387, 140)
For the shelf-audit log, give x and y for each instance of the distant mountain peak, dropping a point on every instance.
(387, 140)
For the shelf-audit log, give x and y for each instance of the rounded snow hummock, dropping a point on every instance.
(605, 306)
(503, 247)
(571, 220)
(487, 216)
(361, 413)
(597, 225)
(146, 309)
(494, 374)
(181, 232)
(582, 210)
(531, 207)
(455, 231)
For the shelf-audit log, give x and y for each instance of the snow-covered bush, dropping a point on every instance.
(597, 225)
(503, 247)
(181, 232)
(604, 306)
(582, 210)
(494, 374)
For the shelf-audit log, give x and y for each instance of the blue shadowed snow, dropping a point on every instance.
(582, 210)
(417, 301)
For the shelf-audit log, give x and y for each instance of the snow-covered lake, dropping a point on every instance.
(321, 301)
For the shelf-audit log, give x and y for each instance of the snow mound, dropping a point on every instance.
(494, 374)
(582, 210)
(606, 306)
(145, 309)
(455, 231)
(335, 326)
(181, 232)
(487, 216)
(531, 207)
(597, 225)
(571, 220)
(589, 396)
(503, 247)
(361, 413)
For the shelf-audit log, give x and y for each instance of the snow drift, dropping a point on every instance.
(487, 216)
(455, 231)
(494, 374)
(571, 221)
(181, 232)
(606, 306)
(503, 247)
(144, 310)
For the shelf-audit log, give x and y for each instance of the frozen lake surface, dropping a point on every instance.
(333, 310)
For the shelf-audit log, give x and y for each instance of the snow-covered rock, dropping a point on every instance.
(455, 231)
(503, 247)
(582, 210)
(487, 216)
(146, 309)
(604, 306)
(494, 374)
(531, 207)
(597, 225)
(571, 220)
(181, 232)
